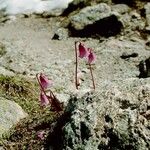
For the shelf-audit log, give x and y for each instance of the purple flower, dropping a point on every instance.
(91, 57)
(83, 52)
(43, 99)
(45, 82)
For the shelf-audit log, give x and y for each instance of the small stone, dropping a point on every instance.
(10, 115)
(61, 34)
(125, 55)
(121, 8)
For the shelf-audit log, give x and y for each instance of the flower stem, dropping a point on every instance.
(76, 69)
(92, 76)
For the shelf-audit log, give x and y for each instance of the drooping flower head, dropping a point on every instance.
(91, 57)
(44, 101)
(83, 52)
(45, 82)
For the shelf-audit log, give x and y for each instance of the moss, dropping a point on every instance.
(24, 134)
(17, 86)
(22, 90)
(25, 92)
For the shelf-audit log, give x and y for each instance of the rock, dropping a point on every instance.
(111, 119)
(2, 49)
(75, 5)
(147, 13)
(78, 130)
(61, 34)
(3, 17)
(10, 115)
(131, 21)
(120, 8)
(90, 15)
(94, 20)
(79, 4)
(1, 148)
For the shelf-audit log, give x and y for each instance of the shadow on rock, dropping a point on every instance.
(106, 27)
(144, 68)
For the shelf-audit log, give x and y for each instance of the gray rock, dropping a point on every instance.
(10, 114)
(147, 12)
(120, 8)
(115, 118)
(61, 34)
(90, 15)
(1, 148)
(2, 49)
(78, 4)
(95, 20)
(131, 21)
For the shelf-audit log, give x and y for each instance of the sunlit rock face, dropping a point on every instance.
(13, 7)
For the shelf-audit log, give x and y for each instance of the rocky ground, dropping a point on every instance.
(113, 117)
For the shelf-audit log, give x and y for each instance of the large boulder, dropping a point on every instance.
(113, 119)
(90, 15)
(10, 115)
(96, 19)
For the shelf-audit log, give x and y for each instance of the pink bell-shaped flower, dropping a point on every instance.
(91, 57)
(43, 99)
(45, 82)
(83, 52)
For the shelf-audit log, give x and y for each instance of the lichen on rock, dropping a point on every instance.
(104, 120)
